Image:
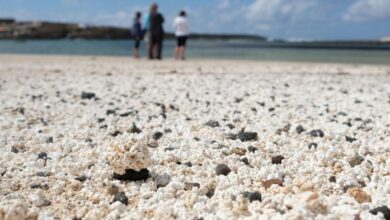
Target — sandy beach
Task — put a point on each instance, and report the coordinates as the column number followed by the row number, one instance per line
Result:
column 219, row 139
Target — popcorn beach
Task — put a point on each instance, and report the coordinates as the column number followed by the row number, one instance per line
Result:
column 110, row 138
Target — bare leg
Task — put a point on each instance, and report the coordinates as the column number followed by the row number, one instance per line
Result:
column 155, row 51
column 136, row 53
column 183, row 53
column 177, row 53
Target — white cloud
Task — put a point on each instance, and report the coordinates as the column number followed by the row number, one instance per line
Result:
column 224, row 4
column 363, row 10
column 271, row 10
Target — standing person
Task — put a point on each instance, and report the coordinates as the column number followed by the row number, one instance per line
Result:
column 182, row 32
column 137, row 34
column 156, row 33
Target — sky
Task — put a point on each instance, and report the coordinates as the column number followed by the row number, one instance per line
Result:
column 275, row 19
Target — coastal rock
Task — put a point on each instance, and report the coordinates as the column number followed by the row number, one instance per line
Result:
column 189, row 185
column 277, row 159
column 252, row 196
column 157, row 135
column 88, row 95
column 132, row 175
column 299, row 129
column 212, row 124
column 222, row 169
column 317, row 133
column 122, row 198
column 243, row 136
column 350, row 139
column 384, row 210
column 355, row 161
column 134, row 129
column 252, row 149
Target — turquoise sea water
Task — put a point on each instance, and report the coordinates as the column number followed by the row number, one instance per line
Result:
column 216, row 49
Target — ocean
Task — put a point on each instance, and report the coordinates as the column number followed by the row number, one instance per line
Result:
column 204, row 49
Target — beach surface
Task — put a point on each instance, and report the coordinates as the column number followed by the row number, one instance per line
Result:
column 218, row 139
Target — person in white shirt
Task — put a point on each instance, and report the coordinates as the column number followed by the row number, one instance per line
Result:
column 182, row 32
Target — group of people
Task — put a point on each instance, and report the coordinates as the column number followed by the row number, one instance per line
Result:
column 153, row 32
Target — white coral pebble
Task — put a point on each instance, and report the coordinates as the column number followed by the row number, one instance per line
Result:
column 129, row 153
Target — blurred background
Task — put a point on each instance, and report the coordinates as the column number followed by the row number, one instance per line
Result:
column 348, row 31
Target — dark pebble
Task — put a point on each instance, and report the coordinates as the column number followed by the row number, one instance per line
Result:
column 42, row 156
column 245, row 161
column 299, row 129
column 342, row 114
column 348, row 123
column 100, row 120
column 132, row 175
column 189, row 186
column 110, row 112
column 350, row 139
column 188, row 164
column 125, row 114
column 252, row 196
column 355, row 161
column 14, row 150
column 212, row 124
column 157, row 135
column 312, row 145
column 116, row 133
column 88, row 95
column 167, row 131
column 231, row 126
column 243, row 136
column 210, row 193
column 222, row 169
column 247, row 136
column 122, row 198
column 277, row 159
column 317, row 133
column 49, row 140
column 252, row 149
column 384, row 209
column 20, row 110
column 271, row 109
column 81, row 178
column 39, row 186
column 332, row 179
column 42, row 174
column 135, row 129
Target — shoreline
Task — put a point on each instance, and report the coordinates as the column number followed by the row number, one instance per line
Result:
column 194, row 61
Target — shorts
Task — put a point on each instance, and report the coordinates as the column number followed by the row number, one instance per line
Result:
column 137, row 43
column 182, row 41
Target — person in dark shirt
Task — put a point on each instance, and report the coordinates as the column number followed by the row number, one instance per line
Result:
column 137, row 34
column 156, row 33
